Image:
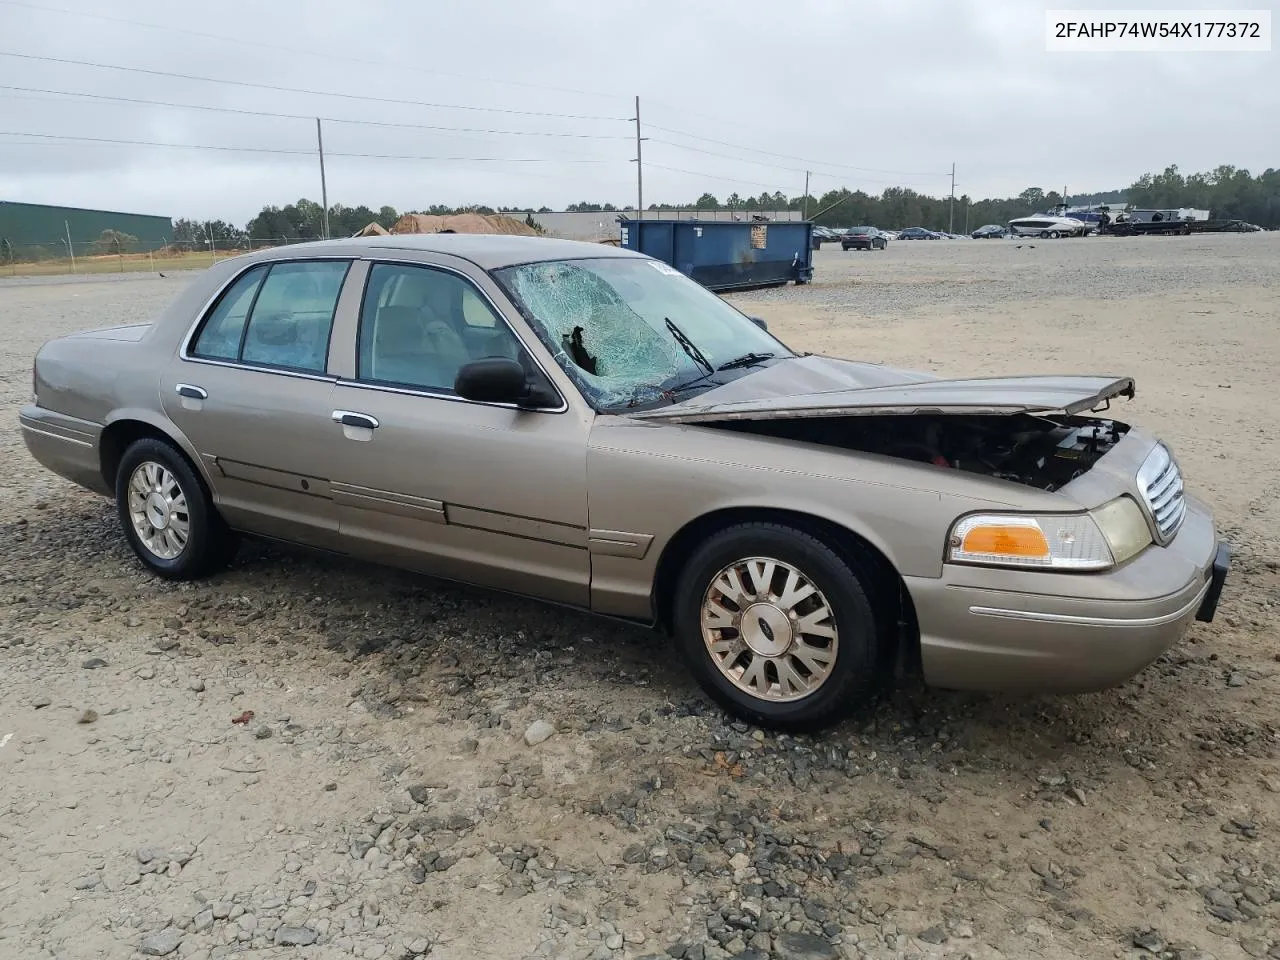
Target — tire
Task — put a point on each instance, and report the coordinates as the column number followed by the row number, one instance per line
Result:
column 188, row 539
column 856, row 647
column 1053, row 234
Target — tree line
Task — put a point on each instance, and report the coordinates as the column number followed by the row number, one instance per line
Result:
column 1226, row 191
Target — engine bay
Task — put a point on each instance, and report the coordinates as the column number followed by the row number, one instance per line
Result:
column 1043, row 452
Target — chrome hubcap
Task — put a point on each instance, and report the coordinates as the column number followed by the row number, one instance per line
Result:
column 158, row 510
column 769, row 629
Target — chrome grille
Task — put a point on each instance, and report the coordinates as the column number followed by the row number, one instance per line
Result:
column 1160, row 482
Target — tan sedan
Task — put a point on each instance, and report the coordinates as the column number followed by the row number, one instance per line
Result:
column 587, row 426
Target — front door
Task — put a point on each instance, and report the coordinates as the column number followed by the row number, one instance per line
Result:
column 483, row 493
column 252, row 394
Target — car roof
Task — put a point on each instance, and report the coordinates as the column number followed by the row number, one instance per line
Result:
column 489, row 251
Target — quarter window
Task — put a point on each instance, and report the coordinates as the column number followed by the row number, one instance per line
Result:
column 277, row 315
column 420, row 326
column 223, row 331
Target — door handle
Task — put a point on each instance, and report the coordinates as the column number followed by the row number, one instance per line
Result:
column 349, row 418
column 192, row 392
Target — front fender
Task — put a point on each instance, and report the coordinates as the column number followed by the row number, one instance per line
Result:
column 647, row 481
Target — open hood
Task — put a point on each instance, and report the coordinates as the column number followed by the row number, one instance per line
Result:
column 881, row 391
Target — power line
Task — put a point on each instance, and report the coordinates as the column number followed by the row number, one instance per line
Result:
column 277, row 48
column 313, row 93
column 309, row 117
column 710, row 176
column 726, row 156
column 773, row 166
column 282, row 150
column 787, row 156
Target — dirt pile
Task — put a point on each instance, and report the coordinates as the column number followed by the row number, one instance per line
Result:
column 463, row 223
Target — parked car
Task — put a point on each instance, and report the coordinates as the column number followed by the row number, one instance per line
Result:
column 992, row 231
column 823, row 234
column 918, row 233
column 585, row 425
column 863, row 238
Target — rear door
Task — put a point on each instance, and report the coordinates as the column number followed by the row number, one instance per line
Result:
column 480, row 492
column 251, row 391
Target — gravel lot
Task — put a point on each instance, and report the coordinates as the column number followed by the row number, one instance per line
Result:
column 381, row 797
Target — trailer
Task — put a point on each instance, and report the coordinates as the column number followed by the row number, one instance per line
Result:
column 1182, row 228
column 727, row 255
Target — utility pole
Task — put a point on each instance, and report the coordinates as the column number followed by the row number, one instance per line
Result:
column 639, row 167
column 70, row 249
column 208, row 233
column 804, row 208
column 324, row 190
column 951, row 226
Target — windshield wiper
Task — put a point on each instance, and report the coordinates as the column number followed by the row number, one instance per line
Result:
column 746, row 360
column 688, row 346
column 703, row 380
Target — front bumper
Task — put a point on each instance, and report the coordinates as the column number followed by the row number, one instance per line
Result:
column 1033, row 631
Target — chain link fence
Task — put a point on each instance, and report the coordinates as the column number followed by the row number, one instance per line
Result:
column 122, row 254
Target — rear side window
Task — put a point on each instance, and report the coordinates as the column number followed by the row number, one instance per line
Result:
column 277, row 316
column 291, row 319
column 223, row 331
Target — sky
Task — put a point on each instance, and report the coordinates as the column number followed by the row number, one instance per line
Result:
column 507, row 102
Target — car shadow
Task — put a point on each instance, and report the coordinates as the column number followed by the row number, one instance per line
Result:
column 365, row 612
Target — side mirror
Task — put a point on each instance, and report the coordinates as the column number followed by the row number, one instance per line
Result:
column 759, row 322
column 499, row 380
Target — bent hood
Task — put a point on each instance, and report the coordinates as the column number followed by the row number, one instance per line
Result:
column 825, row 387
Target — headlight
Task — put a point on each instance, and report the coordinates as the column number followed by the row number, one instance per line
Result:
column 1125, row 528
column 1066, row 542
column 1112, row 534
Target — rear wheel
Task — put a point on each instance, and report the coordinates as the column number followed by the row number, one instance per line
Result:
column 167, row 515
column 778, row 627
column 1053, row 234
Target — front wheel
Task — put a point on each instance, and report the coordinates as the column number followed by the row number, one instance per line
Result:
column 167, row 514
column 778, row 627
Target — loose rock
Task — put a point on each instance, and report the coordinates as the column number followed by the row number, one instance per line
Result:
column 161, row 944
column 792, row 945
column 295, row 936
column 537, row 732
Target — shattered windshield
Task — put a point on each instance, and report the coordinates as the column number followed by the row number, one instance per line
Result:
column 633, row 332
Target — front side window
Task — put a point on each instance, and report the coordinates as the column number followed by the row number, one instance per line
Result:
column 419, row 326
column 276, row 315
column 636, row 332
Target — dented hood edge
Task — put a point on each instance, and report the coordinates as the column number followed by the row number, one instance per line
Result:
column 1050, row 394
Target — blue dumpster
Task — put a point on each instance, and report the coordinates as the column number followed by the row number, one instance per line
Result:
column 727, row 254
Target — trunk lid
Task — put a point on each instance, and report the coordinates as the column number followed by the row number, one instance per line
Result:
column 824, row 387
column 130, row 333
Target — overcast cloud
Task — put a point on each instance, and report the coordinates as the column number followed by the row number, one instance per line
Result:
column 870, row 94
